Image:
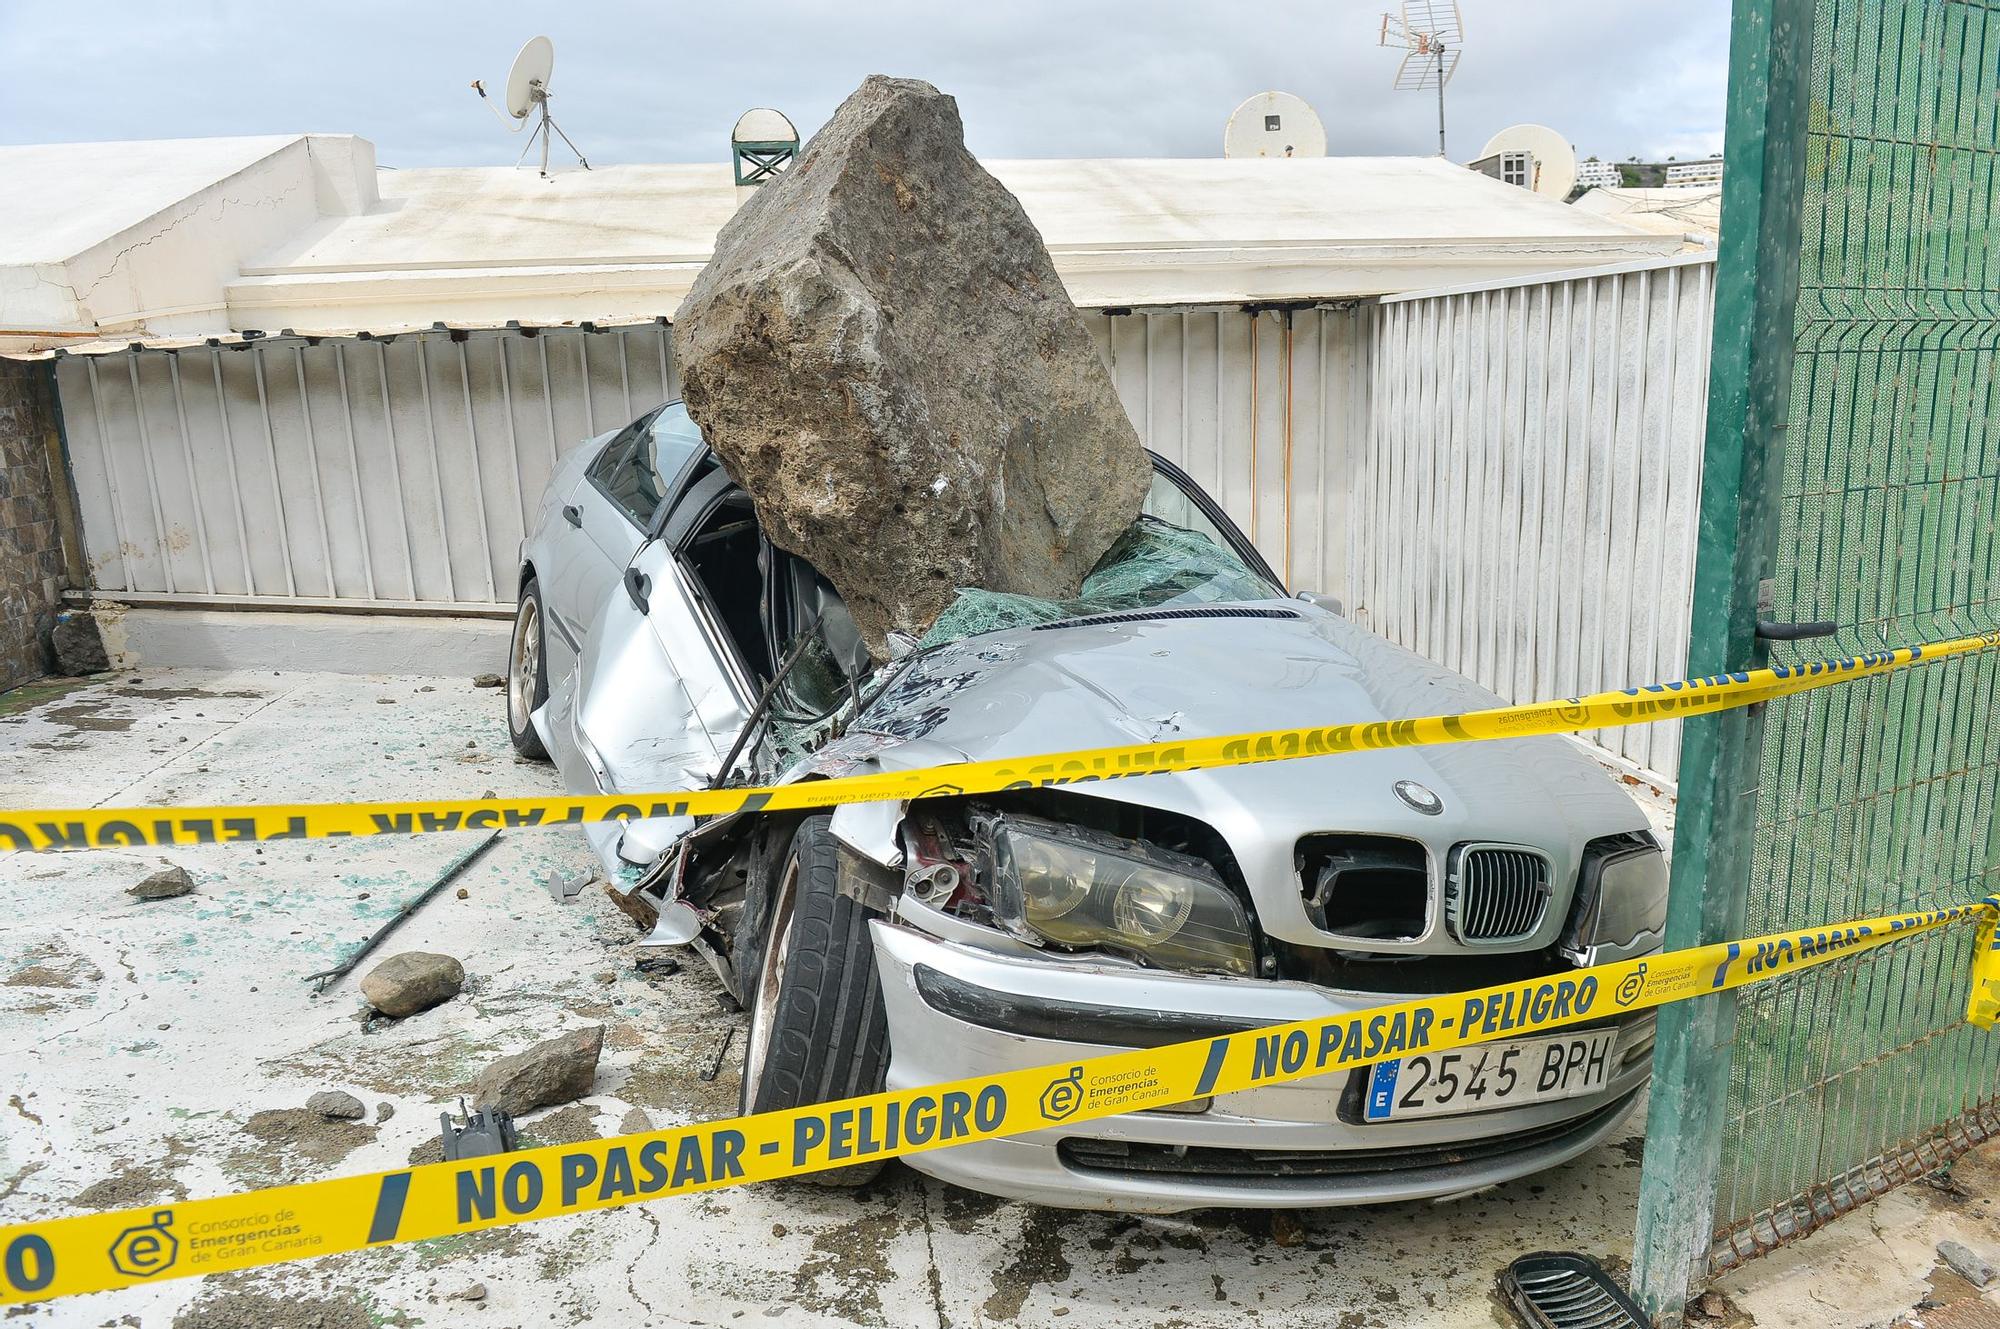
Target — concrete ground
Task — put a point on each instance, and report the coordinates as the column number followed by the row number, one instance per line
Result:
column 166, row 1049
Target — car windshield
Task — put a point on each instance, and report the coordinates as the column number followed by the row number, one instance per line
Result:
column 1172, row 556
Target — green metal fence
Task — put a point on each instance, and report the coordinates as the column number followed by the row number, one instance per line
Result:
column 1854, row 476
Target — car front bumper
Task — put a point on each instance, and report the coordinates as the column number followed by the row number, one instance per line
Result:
column 957, row 1010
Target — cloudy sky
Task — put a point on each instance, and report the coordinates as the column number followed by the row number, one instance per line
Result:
column 1034, row 78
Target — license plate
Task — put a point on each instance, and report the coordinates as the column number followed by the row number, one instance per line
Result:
column 1490, row 1075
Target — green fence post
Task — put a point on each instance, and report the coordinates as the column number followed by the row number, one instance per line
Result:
column 1750, row 382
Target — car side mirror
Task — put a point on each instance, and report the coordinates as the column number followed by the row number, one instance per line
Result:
column 1322, row 601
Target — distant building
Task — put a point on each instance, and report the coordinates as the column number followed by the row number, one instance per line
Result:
column 1695, row 175
column 1595, row 174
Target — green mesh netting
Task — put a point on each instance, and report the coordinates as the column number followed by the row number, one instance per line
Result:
column 1153, row 565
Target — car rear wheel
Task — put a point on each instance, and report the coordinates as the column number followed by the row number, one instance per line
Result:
column 817, row 1028
column 527, row 674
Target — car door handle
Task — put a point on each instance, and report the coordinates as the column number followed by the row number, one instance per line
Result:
column 639, row 586
column 573, row 514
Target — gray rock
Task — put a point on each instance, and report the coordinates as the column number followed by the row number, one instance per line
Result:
column 1967, row 1263
column 557, row 1070
column 413, row 981
column 165, row 884
column 488, row 681
column 337, row 1104
column 384, row 1111
column 635, row 1122
column 884, row 357
column 77, row 644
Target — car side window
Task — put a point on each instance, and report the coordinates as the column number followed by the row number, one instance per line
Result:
column 676, row 442
column 638, row 469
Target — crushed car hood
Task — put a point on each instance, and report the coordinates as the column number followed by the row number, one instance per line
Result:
column 1154, row 676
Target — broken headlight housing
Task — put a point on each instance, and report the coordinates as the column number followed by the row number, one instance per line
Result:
column 1053, row 884
column 1621, row 900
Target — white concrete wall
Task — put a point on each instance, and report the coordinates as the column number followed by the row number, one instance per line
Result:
column 1525, row 493
column 119, row 242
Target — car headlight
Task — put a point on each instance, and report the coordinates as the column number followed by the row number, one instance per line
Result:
column 1057, row 884
column 1621, row 900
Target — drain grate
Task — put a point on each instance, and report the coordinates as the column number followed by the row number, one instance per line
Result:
column 1564, row 1290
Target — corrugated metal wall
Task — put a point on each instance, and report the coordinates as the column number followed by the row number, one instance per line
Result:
column 402, row 471
column 1261, row 408
column 1527, row 482
column 1502, row 479
column 368, row 472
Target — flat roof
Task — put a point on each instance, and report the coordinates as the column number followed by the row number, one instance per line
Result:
column 392, row 250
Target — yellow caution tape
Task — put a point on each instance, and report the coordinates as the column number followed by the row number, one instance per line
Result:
column 65, row 1256
column 82, row 828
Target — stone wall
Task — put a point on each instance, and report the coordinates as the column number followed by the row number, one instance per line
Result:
column 34, row 568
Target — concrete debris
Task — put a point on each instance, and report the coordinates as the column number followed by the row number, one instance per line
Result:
column 477, row 1292
column 166, row 884
column 1711, row 1305
column 1967, row 1263
column 384, row 1111
column 412, row 981
column 488, row 681
column 337, row 1105
column 557, row 1070
column 882, row 354
column 77, row 643
column 635, row 1122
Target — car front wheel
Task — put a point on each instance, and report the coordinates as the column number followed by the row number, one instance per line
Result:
column 817, row 1028
column 527, row 674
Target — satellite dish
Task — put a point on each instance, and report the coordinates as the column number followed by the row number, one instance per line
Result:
column 529, row 76
column 528, row 92
column 1549, row 167
column 1274, row 124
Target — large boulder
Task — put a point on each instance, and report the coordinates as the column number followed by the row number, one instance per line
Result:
column 883, row 356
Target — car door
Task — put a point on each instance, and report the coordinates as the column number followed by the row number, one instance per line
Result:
column 589, row 545
column 651, row 706
column 606, row 516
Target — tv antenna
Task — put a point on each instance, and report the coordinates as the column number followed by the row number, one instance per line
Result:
column 528, row 93
column 1429, row 33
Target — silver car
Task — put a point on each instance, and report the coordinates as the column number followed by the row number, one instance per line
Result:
column 663, row 642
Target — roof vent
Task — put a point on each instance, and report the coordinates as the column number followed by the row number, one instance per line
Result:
column 762, row 146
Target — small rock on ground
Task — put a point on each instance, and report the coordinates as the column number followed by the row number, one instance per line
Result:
column 165, row 884
column 635, row 1122
column 557, row 1070
column 1967, row 1263
column 477, row 1292
column 337, row 1104
column 413, row 981
column 487, row 681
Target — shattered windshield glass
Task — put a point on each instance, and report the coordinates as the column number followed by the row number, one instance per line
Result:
column 1154, row 565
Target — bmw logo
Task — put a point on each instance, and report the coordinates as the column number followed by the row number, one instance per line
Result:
column 1418, row 798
